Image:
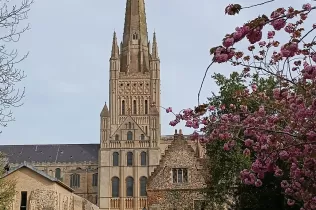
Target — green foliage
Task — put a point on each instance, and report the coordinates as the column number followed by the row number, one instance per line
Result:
column 225, row 166
column 7, row 187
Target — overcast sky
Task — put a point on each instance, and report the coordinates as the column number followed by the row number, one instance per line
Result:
column 67, row 69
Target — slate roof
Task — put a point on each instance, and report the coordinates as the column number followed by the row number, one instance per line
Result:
column 17, row 154
column 26, row 165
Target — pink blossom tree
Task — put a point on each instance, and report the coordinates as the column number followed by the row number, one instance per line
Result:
column 281, row 133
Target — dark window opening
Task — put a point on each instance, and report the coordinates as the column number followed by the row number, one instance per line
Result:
column 74, row 180
column 115, row 159
column 129, row 135
column 143, row 158
column 58, row 173
column 23, row 205
column 129, row 125
column 117, row 137
column 129, row 159
column 95, row 180
column 135, row 37
column 123, row 107
column 129, row 186
column 146, row 107
column 134, row 107
column 143, row 183
column 142, row 137
column 115, row 187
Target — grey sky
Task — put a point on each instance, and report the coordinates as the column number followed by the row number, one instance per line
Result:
column 67, row 69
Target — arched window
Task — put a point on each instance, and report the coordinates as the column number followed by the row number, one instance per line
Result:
column 146, row 107
column 115, row 187
column 143, row 183
column 143, row 158
column 57, row 173
column 134, row 107
column 129, row 186
column 129, row 125
column 135, row 36
column 95, row 179
column 117, row 137
column 123, row 107
column 129, row 135
column 115, row 159
column 142, row 137
column 74, row 180
column 129, row 159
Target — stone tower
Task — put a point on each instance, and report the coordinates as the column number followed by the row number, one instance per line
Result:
column 130, row 127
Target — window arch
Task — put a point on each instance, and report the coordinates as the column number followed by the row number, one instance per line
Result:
column 134, row 107
column 129, row 186
column 57, row 173
column 143, row 158
column 146, row 107
column 116, row 158
column 142, row 186
column 74, row 180
column 142, row 137
column 129, row 159
column 115, row 187
column 123, row 107
column 129, row 135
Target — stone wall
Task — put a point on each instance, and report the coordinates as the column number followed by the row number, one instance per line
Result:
column 162, row 193
column 50, row 200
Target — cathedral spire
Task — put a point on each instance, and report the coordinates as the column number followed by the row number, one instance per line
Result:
column 135, row 26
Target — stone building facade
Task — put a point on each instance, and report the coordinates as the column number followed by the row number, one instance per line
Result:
column 35, row 190
column 178, row 181
column 113, row 174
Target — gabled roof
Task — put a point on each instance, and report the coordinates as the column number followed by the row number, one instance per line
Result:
column 39, row 172
column 52, row 153
column 178, row 139
column 127, row 119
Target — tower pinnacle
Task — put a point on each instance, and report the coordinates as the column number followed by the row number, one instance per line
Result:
column 115, row 48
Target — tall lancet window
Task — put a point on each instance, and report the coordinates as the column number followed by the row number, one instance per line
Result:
column 146, row 107
column 134, row 107
column 123, row 107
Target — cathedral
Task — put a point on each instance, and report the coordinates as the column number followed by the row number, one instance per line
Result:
column 114, row 173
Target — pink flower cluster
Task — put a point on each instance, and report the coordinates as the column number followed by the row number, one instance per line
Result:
column 283, row 128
